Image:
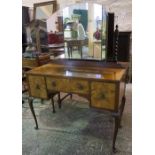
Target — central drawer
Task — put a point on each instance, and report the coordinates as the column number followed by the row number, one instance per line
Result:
column 57, row 84
column 67, row 85
column 79, row 86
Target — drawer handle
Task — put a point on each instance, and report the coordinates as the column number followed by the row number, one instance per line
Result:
column 80, row 86
column 102, row 95
column 37, row 86
column 53, row 83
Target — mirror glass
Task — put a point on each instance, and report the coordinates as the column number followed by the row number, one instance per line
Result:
column 85, row 31
column 80, row 29
column 42, row 11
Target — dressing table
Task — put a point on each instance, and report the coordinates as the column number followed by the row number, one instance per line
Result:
column 103, row 83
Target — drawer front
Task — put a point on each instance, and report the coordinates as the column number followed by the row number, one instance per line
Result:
column 67, row 85
column 79, row 86
column 57, row 84
column 103, row 95
column 37, row 86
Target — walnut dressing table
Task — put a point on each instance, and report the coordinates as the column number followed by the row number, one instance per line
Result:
column 102, row 83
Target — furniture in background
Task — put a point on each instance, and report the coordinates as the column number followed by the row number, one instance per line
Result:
column 31, row 63
column 59, row 23
column 79, row 43
column 124, row 46
column 56, row 49
column 42, row 11
column 96, row 45
column 103, row 84
column 25, row 20
column 110, row 37
column 125, row 51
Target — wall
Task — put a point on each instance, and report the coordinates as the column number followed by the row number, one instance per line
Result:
column 122, row 9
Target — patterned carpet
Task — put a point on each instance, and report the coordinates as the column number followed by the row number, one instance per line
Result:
column 75, row 129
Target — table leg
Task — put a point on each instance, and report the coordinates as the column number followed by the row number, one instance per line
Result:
column 59, row 100
column 117, row 122
column 118, row 117
column 52, row 101
column 33, row 112
column 122, row 109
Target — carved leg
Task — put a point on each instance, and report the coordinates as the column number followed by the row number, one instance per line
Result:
column 117, row 121
column 122, row 109
column 52, row 101
column 71, row 96
column 33, row 112
column 59, row 100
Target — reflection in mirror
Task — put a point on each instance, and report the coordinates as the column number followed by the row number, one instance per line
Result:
column 44, row 12
column 38, row 28
column 85, row 31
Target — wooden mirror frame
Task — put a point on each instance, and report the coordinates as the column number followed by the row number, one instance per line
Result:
column 43, row 4
column 38, row 46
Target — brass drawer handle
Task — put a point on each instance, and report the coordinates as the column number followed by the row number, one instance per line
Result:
column 53, row 83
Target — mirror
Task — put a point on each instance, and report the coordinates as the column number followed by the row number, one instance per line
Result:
column 78, row 31
column 42, row 11
column 85, row 28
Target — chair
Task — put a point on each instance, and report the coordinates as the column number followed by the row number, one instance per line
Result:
column 28, row 64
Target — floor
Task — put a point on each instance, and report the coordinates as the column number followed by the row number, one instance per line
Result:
column 75, row 129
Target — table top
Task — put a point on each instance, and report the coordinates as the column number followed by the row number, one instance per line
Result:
column 112, row 74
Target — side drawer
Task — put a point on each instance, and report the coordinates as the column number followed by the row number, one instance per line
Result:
column 79, row 86
column 57, row 84
column 103, row 95
column 37, row 86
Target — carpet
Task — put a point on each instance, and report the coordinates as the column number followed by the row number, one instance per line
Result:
column 75, row 129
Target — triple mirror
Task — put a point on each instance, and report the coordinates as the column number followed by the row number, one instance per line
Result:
column 85, row 31
column 83, row 27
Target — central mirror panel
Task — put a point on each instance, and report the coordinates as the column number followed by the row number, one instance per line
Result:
column 85, row 31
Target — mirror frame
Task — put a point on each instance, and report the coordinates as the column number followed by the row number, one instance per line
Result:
column 35, row 5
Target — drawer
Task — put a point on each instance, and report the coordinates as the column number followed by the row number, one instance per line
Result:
column 79, row 86
column 37, row 86
column 103, row 95
column 57, row 84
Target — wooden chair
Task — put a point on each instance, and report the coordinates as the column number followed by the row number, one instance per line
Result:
column 28, row 64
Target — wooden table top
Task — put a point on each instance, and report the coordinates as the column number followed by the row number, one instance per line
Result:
column 112, row 74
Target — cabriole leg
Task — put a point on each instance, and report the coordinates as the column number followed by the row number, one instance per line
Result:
column 59, row 100
column 71, row 95
column 122, row 109
column 117, row 121
column 52, row 101
column 33, row 112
